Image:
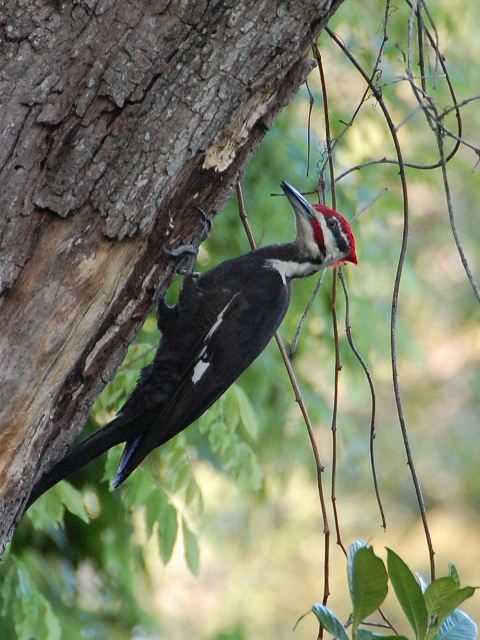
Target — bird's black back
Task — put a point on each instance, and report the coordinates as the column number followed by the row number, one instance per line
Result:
column 168, row 398
column 223, row 320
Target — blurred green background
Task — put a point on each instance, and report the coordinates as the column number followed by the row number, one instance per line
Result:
column 219, row 535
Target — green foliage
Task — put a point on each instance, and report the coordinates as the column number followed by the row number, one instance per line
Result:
column 229, row 425
column 192, row 552
column 329, row 622
column 441, row 597
column 163, row 515
column 31, row 613
column 49, row 511
column 458, row 626
column 367, row 582
column 409, row 594
column 433, row 615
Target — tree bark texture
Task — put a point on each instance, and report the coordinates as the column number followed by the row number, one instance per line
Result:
column 117, row 119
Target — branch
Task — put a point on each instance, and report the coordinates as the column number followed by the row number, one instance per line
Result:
column 299, row 399
column 395, row 297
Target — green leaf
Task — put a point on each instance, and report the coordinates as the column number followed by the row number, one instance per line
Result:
column 458, row 626
column 32, row 614
column 365, row 634
column 229, row 410
column 156, row 506
column 167, row 531
column 442, row 597
column 437, row 592
column 247, row 414
column 73, row 500
column 141, row 486
column 192, row 552
column 205, row 421
column 409, row 594
column 329, row 622
column 159, row 511
column 218, row 435
column 453, row 573
column 456, row 599
column 6, row 592
column 111, row 464
column 352, row 550
column 368, row 584
column 191, row 491
column 182, row 476
column 47, row 512
column 245, row 467
column 52, row 624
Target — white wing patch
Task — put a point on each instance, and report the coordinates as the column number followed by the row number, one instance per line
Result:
column 203, row 363
column 199, row 370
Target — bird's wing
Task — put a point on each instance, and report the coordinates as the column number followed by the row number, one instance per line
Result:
column 240, row 331
column 156, row 384
column 183, row 328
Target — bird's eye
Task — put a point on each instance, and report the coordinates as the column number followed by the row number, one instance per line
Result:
column 332, row 223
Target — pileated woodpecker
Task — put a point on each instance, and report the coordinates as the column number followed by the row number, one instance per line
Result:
column 223, row 320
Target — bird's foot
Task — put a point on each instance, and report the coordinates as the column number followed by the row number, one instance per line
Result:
column 207, row 224
column 190, row 250
column 181, row 251
column 186, row 271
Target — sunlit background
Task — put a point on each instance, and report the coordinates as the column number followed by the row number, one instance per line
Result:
column 236, row 497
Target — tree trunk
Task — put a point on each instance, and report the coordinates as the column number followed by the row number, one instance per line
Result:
column 117, row 119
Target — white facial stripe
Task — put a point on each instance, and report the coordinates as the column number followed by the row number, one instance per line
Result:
column 288, row 269
column 331, row 246
column 328, row 237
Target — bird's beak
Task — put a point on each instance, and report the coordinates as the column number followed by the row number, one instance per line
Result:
column 300, row 205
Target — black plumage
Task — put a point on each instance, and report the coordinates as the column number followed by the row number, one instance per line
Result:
column 222, row 321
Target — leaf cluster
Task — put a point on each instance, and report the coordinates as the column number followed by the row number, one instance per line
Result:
column 431, row 611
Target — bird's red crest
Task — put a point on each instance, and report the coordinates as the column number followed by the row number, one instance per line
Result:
column 347, row 230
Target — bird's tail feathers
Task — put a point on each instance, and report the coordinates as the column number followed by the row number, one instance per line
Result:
column 99, row 442
column 137, row 449
column 124, row 468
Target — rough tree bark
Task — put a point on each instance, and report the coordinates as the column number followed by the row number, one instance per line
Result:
column 117, row 118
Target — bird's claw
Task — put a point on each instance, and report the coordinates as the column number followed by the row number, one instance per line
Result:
column 181, row 250
column 207, row 223
column 188, row 272
column 189, row 249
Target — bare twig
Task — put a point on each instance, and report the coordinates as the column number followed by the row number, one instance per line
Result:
column 433, row 40
column 458, row 105
column 348, row 329
column 429, row 108
column 338, row 368
column 338, row 364
column 310, row 108
column 243, row 216
column 306, row 313
column 299, row 399
column 347, row 125
column 366, row 207
column 395, row 297
column 328, row 136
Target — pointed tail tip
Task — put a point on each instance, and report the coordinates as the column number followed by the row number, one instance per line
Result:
column 116, row 481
